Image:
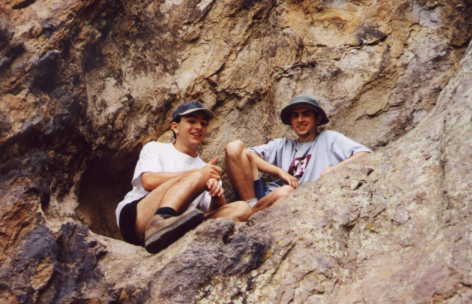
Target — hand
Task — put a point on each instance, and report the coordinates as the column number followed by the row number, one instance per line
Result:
column 214, row 188
column 292, row 181
column 211, row 170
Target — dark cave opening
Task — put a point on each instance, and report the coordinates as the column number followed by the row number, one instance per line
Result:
column 102, row 186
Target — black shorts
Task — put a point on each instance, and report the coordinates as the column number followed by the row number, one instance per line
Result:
column 128, row 223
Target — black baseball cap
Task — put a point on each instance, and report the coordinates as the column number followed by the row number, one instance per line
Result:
column 190, row 107
column 309, row 101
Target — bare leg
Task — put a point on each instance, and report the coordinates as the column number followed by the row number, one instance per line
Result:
column 148, row 206
column 241, row 169
column 272, row 197
column 176, row 193
column 241, row 211
column 238, row 211
column 182, row 193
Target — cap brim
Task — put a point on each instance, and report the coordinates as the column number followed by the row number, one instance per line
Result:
column 321, row 116
column 207, row 112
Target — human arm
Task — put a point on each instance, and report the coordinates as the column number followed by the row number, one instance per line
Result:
column 267, row 167
column 152, row 180
column 336, row 150
column 344, row 162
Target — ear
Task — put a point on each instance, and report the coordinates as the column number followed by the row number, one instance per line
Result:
column 174, row 126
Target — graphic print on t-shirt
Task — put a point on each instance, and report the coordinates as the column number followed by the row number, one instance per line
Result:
column 298, row 165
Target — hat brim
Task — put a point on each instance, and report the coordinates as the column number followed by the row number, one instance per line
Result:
column 209, row 114
column 321, row 116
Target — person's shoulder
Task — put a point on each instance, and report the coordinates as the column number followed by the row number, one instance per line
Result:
column 270, row 142
column 155, row 145
column 151, row 144
column 281, row 142
column 330, row 135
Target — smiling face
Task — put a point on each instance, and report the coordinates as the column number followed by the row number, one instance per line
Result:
column 190, row 131
column 303, row 121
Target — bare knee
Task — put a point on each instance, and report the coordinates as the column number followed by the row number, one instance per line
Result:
column 234, row 148
column 242, row 211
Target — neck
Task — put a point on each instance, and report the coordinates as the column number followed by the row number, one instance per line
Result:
column 303, row 139
column 308, row 137
column 186, row 149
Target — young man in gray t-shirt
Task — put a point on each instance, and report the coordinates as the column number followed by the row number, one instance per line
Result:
column 294, row 162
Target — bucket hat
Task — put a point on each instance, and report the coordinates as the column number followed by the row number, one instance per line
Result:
column 309, row 101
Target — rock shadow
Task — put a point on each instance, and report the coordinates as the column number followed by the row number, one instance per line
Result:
column 102, row 186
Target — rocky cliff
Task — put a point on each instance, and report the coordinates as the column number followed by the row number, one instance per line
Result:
column 84, row 83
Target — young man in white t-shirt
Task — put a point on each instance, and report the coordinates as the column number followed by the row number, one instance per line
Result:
column 173, row 189
column 294, row 162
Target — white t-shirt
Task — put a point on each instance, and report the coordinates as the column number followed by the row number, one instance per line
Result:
column 162, row 157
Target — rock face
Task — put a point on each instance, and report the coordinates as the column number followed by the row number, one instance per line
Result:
column 86, row 83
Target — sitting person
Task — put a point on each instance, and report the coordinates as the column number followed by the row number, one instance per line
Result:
column 173, row 189
column 294, row 162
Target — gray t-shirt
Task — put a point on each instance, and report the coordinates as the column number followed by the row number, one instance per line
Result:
column 305, row 161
